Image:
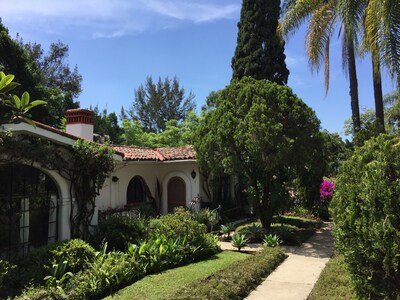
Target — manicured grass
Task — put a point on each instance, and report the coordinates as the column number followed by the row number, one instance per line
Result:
column 334, row 282
column 159, row 286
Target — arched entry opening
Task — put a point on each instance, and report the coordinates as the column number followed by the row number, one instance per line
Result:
column 176, row 193
column 28, row 209
column 136, row 192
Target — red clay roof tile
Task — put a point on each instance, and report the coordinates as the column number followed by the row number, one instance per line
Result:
column 158, row 154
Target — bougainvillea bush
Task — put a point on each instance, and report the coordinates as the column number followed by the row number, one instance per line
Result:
column 326, row 191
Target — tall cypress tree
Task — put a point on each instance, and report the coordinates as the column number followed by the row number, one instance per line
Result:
column 260, row 51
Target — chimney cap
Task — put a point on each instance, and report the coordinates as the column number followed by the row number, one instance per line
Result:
column 79, row 116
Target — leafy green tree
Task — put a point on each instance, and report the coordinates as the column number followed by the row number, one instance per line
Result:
column 175, row 134
column 336, row 152
column 260, row 51
column 370, row 126
column 263, row 131
column 44, row 76
column 157, row 103
column 106, row 124
column 62, row 84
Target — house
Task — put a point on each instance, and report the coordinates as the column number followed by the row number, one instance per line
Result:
column 36, row 201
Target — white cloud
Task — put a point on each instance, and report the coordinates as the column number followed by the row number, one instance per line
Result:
column 112, row 18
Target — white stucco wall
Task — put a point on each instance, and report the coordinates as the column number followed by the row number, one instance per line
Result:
column 113, row 194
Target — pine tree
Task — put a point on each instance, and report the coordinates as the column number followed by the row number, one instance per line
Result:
column 260, row 51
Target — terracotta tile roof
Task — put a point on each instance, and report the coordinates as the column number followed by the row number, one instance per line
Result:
column 159, row 154
column 176, row 153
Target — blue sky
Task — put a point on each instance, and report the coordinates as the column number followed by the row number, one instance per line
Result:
column 117, row 43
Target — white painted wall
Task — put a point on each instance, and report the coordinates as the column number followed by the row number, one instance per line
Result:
column 84, row 131
column 113, row 194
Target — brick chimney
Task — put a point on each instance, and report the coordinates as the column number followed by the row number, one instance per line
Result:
column 80, row 123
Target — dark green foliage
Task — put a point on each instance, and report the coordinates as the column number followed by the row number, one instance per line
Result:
column 207, row 217
column 44, row 76
column 254, row 233
column 106, row 124
column 38, row 264
column 336, row 152
column 75, row 251
column 234, row 282
column 263, row 131
column 260, row 51
column 366, row 213
column 157, row 254
column 119, row 232
column 8, row 278
column 180, row 224
column 157, row 103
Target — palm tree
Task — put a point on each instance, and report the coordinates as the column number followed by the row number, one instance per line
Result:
column 381, row 37
column 324, row 16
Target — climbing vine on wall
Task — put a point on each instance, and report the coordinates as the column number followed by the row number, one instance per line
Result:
column 85, row 165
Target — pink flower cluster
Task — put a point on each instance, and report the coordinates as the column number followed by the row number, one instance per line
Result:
column 326, row 190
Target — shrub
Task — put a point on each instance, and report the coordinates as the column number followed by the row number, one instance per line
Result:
column 39, row 262
column 8, row 277
column 107, row 272
column 234, row 282
column 287, row 236
column 77, row 252
column 367, row 221
column 207, row 217
column 254, row 232
column 160, row 253
column 180, row 224
column 118, row 232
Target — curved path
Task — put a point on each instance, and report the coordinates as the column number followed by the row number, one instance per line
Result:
column 296, row 276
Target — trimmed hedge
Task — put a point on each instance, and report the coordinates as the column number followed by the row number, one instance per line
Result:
column 237, row 281
column 366, row 207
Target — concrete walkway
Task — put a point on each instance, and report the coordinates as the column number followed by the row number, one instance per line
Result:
column 296, row 276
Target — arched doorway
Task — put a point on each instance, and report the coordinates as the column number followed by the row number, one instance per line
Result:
column 136, row 191
column 28, row 209
column 176, row 193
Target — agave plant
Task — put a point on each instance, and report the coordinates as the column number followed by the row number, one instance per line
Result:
column 271, row 240
column 254, row 232
column 227, row 229
column 239, row 241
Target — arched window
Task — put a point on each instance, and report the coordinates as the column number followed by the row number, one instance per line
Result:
column 176, row 193
column 136, row 191
column 28, row 209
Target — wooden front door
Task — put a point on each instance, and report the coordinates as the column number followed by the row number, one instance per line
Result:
column 176, row 193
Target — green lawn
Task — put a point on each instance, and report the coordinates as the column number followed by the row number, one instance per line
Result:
column 334, row 282
column 158, row 286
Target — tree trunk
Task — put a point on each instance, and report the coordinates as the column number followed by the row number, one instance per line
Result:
column 351, row 62
column 378, row 96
